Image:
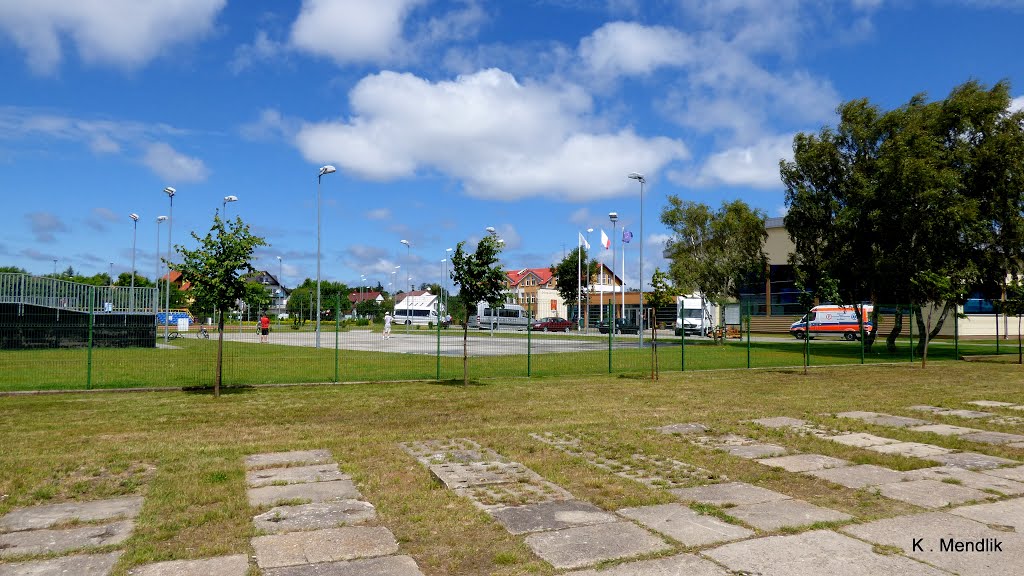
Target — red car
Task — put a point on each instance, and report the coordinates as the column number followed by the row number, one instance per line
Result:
column 553, row 324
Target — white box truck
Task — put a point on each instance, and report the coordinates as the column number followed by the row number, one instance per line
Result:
column 695, row 315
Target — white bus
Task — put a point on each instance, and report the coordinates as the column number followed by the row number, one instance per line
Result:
column 415, row 316
column 508, row 316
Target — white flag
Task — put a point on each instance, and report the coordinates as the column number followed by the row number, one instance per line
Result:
column 584, row 242
column 605, row 241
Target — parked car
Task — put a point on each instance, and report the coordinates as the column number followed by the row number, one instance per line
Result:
column 622, row 326
column 553, row 324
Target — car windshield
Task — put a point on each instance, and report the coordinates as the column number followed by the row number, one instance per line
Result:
column 691, row 313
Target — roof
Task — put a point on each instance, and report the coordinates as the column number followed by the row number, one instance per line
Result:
column 516, row 276
column 402, row 296
column 357, row 296
column 176, row 279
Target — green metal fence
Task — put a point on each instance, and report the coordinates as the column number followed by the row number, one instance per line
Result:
column 96, row 348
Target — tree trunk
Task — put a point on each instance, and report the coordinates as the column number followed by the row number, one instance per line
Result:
column 1020, row 350
column 220, row 354
column 932, row 333
column 926, row 334
column 465, row 350
column 897, row 327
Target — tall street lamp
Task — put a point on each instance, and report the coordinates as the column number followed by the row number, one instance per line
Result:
column 614, row 217
column 54, row 267
column 394, row 290
column 362, row 291
column 640, row 178
column 280, row 284
column 328, row 169
column 224, row 205
column 408, row 280
column 167, row 297
column 156, row 271
column 135, row 230
column 447, row 278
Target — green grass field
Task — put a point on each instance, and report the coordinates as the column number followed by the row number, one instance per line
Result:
column 183, row 451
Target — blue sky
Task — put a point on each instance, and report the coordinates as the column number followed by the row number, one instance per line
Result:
column 442, row 117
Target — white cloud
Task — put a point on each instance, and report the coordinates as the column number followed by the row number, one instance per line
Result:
column 262, row 48
column 755, row 166
column 379, row 214
column 1017, row 104
column 45, row 225
column 172, row 165
column 125, row 33
column 630, row 49
column 100, row 217
column 503, row 139
column 582, row 216
column 270, row 125
column 352, row 31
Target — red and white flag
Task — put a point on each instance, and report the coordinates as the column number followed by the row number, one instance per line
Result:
column 605, row 240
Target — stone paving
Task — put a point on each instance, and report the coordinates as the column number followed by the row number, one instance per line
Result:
column 58, row 529
column 564, row 531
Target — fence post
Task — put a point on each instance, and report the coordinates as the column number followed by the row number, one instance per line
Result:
column 88, row 364
column 682, row 348
column 997, row 331
column 529, row 330
column 437, row 307
column 956, row 331
column 910, row 322
column 807, row 340
column 337, row 331
column 860, row 320
column 748, row 332
column 611, row 332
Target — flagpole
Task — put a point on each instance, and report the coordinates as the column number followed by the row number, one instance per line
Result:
column 579, row 281
column 622, row 288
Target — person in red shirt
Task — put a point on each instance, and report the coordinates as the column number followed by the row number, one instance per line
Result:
column 264, row 329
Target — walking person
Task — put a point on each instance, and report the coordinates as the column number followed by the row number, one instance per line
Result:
column 387, row 325
column 264, row 329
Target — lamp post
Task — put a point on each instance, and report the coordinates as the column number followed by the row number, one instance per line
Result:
column 447, row 278
column 408, row 280
column 167, row 296
column 224, row 206
column 589, row 231
column 444, row 270
column 394, row 290
column 362, row 291
column 54, row 267
column 135, row 230
column 110, row 274
column 328, row 169
column 640, row 178
column 280, row 283
column 614, row 217
column 156, row 271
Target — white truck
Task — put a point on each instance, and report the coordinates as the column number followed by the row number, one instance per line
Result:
column 695, row 315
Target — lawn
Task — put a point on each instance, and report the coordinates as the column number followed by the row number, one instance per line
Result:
column 183, row 451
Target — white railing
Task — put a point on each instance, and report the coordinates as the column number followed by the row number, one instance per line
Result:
column 24, row 289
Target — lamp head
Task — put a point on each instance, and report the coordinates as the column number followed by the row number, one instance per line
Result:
column 589, row 230
column 613, row 216
column 328, row 169
column 406, row 242
column 447, row 249
column 134, row 216
column 170, row 191
column 230, row 199
column 160, row 219
column 637, row 176
column 278, row 257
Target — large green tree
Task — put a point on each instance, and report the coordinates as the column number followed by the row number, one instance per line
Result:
column 217, row 271
column 480, row 279
column 714, row 252
column 571, row 284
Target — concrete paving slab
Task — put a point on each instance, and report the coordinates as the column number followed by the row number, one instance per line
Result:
column 859, row 476
column 1008, row 473
column 35, row 517
column 990, row 403
column 813, row 554
column 971, row 460
column 294, row 475
column 77, row 565
column 588, row 545
column 384, row 566
column 780, row 422
column 944, row 429
column 330, row 545
column 428, row 452
column 463, row 475
column 883, row 419
column 969, row 414
column 53, row 541
column 927, row 408
column 754, row 451
column 683, row 564
column 237, row 565
column 728, row 493
column 314, row 516
column 910, row 449
column 857, row 414
column 967, row 478
column 785, row 513
column 804, row 462
column 686, row 526
column 530, row 491
column 997, row 515
column 314, row 492
column 1017, row 445
column 932, row 530
column 293, row 458
column 930, row 493
column 861, row 440
column 994, row 438
column 550, row 516
column 1018, row 407
column 683, row 429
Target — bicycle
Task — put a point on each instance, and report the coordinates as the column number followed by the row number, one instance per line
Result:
column 203, row 333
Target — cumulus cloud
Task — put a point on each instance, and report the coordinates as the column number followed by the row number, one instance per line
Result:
column 503, row 139
column 1017, row 104
column 269, row 126
column 261, row 49
column 45, row 226
column 100, row 217
column 755, row 166
column 124, row 33
column 379, row 214
column 352, row 31
column 173, row 166
column 630, row 49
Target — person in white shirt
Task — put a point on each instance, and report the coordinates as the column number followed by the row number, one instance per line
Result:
column 387, row 325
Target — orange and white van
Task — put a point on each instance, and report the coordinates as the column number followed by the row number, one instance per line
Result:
column 833, row 320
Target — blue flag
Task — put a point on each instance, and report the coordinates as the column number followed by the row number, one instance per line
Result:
column 626, row 236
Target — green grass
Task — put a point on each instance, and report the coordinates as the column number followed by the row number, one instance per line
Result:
column 184, row 451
